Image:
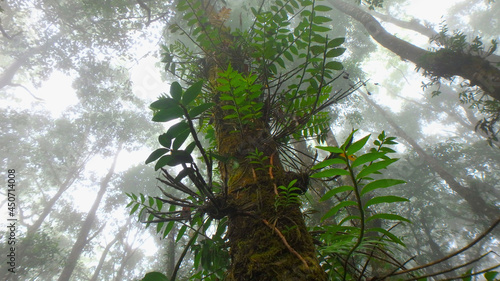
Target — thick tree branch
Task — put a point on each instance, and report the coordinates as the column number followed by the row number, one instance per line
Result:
column 442, row 63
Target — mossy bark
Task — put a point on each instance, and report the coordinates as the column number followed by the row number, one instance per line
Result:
column 266, row 242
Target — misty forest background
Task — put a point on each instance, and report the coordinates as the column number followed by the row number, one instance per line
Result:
column 101, row 61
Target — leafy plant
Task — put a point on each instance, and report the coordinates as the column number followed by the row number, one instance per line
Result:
column 352, row 216
column 287, row 195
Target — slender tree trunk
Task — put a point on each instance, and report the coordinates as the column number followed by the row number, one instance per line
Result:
column 95, row 276
column 82, row 240
column 129, row 252
column 72, row 176
column 477, row 204
column 442, row 63
column 171, row 252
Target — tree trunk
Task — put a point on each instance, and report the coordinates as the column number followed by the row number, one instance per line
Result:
column 82, row 240
column 266, row 242
column 443, row 63
column 171, row 252
column 72, row 176
column 103, row 256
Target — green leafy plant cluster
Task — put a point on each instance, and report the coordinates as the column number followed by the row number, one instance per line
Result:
column 352, row 216
column 240, row 96
column 179, row 105
column 259, row 159
column 287, row 195
column 211, row 255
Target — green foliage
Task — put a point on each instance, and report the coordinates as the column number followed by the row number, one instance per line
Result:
column 258, row 158
column 353, row 215
column 239, row 97
column 154, row 276
column 212, row 255
column 179, row 105
column 287, row 195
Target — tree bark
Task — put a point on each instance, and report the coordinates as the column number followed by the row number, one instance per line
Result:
column 443, row 63
column 266, row 242
column 82, row 239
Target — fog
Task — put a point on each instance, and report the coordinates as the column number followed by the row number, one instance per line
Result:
column 77, row 79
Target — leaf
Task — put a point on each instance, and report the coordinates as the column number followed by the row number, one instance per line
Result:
column 156, row 154
column 330, row 149
column 317, row 49
column 391, row 236
column 369, row 157
column 164, row 103
column 330, row 173
column 163, row 161
column 192, row 93
column 335, row 52
column 169, row 227
column 490, row 276
column 348, row 141
column 329, row 162
column 199, row 109
column 165, row 115
column 384, row 199
column 159, row 226
column 181, row 233
column 322, row 8
column 159, row 204
column 383, row 183
column 334, row 191
column 165, row 140
column 175, row 130
column 336, row 42
column 468, row 275
column 134, row 209
column 355, row 147
column 180, row 139
column 154, row 276
column 335, row 209
column 375, row 167
column 321, row 19
column 176, row 91
column 384, row 216
column 335, row 65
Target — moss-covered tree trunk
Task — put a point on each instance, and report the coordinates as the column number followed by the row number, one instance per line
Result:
column 266, row 242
